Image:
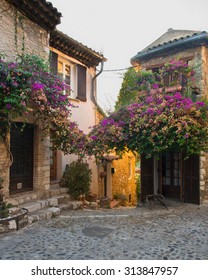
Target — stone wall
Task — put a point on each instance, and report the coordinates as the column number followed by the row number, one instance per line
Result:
column 194, row 56
column 205, row 71
column 204, row 157
column 203, row 177
column 20, row 35
column 5, row 162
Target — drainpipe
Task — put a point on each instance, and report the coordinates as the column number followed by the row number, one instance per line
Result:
column 93, row 98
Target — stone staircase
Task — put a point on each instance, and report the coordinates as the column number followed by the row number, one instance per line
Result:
column 29, row 209
column 49, row 208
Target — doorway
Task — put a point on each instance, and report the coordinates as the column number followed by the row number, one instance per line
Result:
column 178, row 177
column 21, row 170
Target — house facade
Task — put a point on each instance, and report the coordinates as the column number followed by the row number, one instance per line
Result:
column 171, row 174
column 76, row 64
column 28, row 167
column 24, row 157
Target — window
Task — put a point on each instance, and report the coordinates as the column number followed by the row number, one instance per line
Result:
column 171, row 169
column 64, row 71
column 75, row 75
column 171, row 78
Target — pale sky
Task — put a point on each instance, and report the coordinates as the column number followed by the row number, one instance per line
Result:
column 121, row 28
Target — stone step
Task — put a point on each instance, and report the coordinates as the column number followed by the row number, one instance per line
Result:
column 52, row 211
column 28, row 197
column 37, row 210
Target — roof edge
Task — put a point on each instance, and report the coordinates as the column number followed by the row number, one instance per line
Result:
column 188, row 42
column 41, row 12
column 75, row 49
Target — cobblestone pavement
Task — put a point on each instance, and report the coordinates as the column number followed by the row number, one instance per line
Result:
column 180, row 233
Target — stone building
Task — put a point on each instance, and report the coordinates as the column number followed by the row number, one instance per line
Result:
column 172, row 176
column 24, row 28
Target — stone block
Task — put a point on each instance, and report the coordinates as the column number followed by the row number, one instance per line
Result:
column 45, row 214
column 2, row 230
column 43, row 203
column 55, row 211
column 202, row 158
column 12, row 225
column 13, row 210
column 32, row 206
column 23, row 222
column 47, row 187
column 64, row 207
column 33, row 218
column 202, row 171
column 75, row 205
column 53, row 201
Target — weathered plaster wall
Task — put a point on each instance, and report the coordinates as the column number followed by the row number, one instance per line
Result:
column 123, row 180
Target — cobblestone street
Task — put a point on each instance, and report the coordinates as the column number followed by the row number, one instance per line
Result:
column 179, row 233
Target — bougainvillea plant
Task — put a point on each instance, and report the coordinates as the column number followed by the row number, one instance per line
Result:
column 177, row 68
column 158, row 123
column 27, row 88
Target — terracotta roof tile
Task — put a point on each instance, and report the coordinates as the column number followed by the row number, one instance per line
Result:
column 41, row 12
column 73, row 48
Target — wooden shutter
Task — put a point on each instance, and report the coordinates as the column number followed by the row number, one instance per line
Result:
column 147, row 177
column 54, row 62
column 191, row 180
column 81, row 80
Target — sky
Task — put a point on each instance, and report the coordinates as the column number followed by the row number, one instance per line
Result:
column 120, row 28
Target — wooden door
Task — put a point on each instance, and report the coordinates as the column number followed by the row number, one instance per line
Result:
column 191, row 178
column 147, row 177
column 171, row 175
column 21, row 170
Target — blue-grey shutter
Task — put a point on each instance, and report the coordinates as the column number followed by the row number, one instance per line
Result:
column 81, row 80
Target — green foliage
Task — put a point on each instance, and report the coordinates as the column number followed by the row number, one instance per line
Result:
column 37, row 63
column 133, row 81
column 77, row 178
column 4, row 209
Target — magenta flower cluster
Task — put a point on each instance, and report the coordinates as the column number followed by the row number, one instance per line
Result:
column 28, row 88
column 157, row 124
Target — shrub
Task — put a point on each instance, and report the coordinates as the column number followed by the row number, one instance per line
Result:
column 77, row 178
